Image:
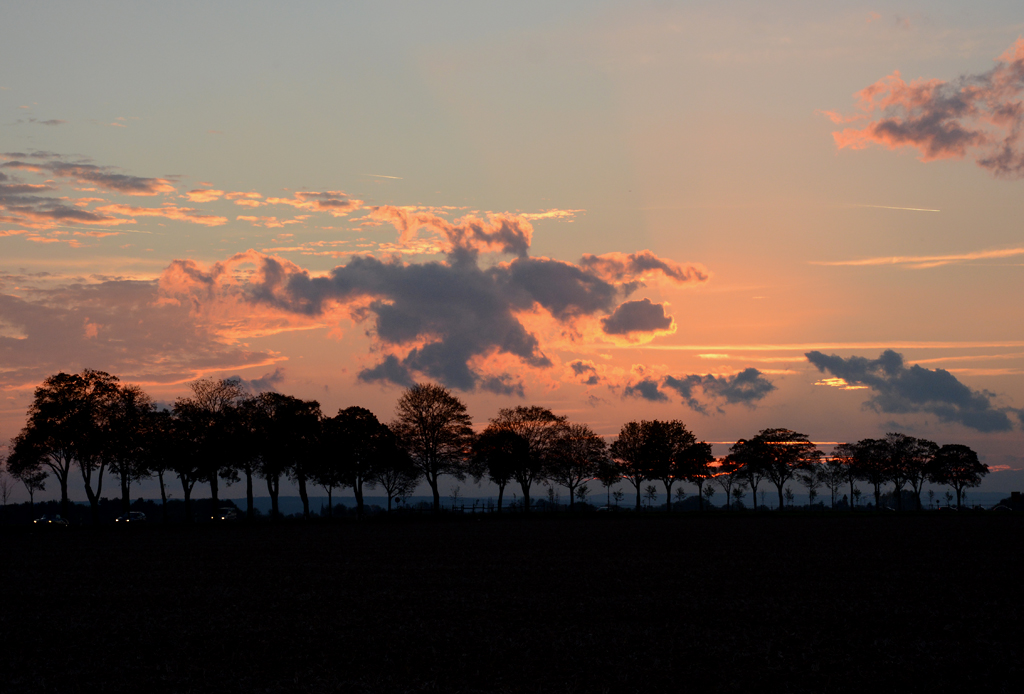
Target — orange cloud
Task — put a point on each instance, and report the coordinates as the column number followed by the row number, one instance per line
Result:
column 207, row 195
column 169, row 211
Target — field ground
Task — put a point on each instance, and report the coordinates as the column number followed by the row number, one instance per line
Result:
column 617, row 603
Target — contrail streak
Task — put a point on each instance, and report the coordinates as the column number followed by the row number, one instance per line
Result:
column 909, row 209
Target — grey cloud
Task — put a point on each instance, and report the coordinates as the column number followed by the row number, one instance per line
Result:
column 646, row 389
column 586, row 370
column 899, row 389
column 636, row 316
column 102, row 176
column 980, row 113
column 747, row 387
column 443, row 315
column 268, row 382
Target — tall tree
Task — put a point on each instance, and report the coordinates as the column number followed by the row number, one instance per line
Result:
column 185, row 433
column 127, row 438
column 870, row 462
column 780, row 454
column 539, row 427
column 354, row 440
column 912, row 456
column 727, row 476
column 695, row 467
column 433, row 427
column 834, row 473
column 393, row 469
column 211, row 403
column 163, row 450
column 666, row 451
column 958, row 466
column 66, row 423
column 608, row 474
column 575, row 457
column 496, row 455
column 628, row 451
column 744, row 455
column 290, row 429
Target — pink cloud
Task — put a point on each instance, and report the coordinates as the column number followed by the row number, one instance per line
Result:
column 981, row 115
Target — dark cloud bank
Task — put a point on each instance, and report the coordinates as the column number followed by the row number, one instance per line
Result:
column 899, row 389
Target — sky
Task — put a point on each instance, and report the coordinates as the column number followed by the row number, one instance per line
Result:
column 738, row 214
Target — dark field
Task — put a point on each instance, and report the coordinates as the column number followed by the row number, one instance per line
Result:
column 554, row 604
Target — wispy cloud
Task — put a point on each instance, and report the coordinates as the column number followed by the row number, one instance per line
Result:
column 927, row 261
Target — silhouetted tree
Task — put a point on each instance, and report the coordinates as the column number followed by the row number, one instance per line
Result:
column 695, row 464
column 242, row 453
column 744, row 454
column 186, row 434
column 780, row 454
column 6, row 484
column 834, row 473
column 393, row 469
column 66, row 423
column 162, row 450
column 958, row 466
column 210, row 404
column 668, row 453
column 608, row 474
column 627, row 450
column 576, row 454
column 353, row 440
column 127, row 438
column 912, row 456
column 290, row 436
column 811, row 478
column 496, row 455
column 870, row 462
column 727, row 477
column 845, row 454
column 433, row 427
column 538, row 426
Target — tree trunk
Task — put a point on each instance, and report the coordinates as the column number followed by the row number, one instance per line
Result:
column 187, row 491
column 878, row 497
column 432, row 481
column 330, row 503
column 668, row 496
column 273, row 487
column 304, row 496
column 753, row 493
column 126, row 500
column 248, row 495
column 637, row 485
column 781, row 504
column 501, row 493
column 958, row 503
column 572, row 496
column 526, row 496
column 163, row 494
column 357, row 490
column 214, row 492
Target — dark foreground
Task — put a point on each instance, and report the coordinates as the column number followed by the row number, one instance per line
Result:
column 618, row 604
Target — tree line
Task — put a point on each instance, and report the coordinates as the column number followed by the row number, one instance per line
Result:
column 221, row 433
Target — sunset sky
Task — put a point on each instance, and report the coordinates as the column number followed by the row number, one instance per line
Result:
column 738, row 214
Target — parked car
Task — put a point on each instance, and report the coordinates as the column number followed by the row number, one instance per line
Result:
column 50, row 521
column 225, row 514
column 132, row 517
